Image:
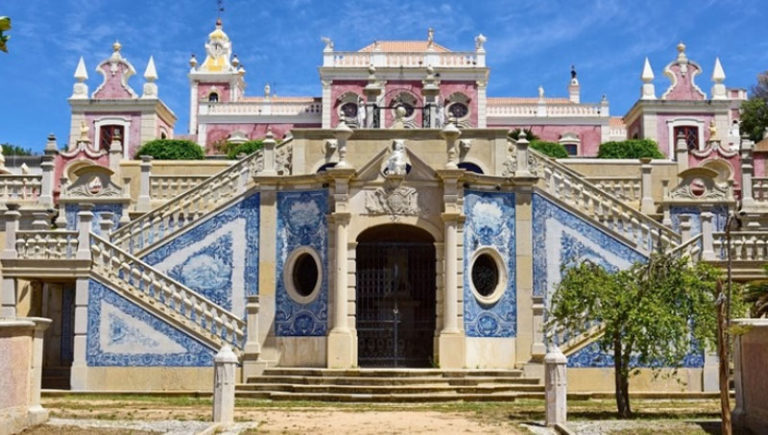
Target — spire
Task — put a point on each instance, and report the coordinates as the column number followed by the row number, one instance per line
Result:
column 718, row 77
column 80, row 89
column 150, row 74
column 81, row 74
column 648, row 91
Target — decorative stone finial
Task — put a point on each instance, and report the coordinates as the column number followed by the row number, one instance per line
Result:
column 267, row 90
column 150, row 74
column 235, row 61
column 648, row 91
column 50, row 145
column 681, row 57
column 718, row 75
column 647, row 75
column 573, row 71
column 328, row 43
column 541, row 92
column 80, row 89
column 116, row 46
column 480, row 42
column 192, row 60
column 81, row 74
column 430, row 37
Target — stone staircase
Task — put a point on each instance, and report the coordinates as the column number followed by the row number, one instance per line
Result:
column 390, row 385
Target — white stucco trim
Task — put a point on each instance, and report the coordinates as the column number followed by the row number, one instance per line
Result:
column 501, row 285
column 683, row 122
column 113, row 120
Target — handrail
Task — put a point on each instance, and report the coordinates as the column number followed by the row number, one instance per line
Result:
column 20, row 187
column 691, row 247
column 745, row 245
column 46, row 245
column 575, row 190
column 174, row 299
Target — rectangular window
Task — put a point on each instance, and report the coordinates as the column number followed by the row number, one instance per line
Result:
column 691, row 135
column 572, row 148
column 109, row 133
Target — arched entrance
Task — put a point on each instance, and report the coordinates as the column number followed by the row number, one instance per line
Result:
column 395, row 269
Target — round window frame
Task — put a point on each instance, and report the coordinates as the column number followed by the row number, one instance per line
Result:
column 343, row 116
column 501, row 285
column 288, row 269
column 448, row 110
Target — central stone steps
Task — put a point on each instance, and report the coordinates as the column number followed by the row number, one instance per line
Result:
column 390, row 385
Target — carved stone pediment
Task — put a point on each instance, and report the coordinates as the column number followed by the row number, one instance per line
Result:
column 393, row 200
column 699, row 184
column 93, row 182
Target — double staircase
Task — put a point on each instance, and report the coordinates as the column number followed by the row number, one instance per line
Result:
column 390, row 385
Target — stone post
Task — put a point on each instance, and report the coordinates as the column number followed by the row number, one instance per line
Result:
column 37, row 414
column 521, row 157
column 666, row 217
column 79, row 375
column 372, row 90
column 555, row 384
column 647, row 205
column 681, row 152
column 430, row 90
column 224, row 386
column 8, row 296
column 738, row 416
column 685, row 227
column 41, row 220
column 538, row 348
column 747, row 171
column 47, row 165
column 342, row 133
column 61, row 219
column 450, row 133
column 84, row 223
column 251, row 365
column 707, row 239
column 115, row 155
column 106, row 223
column 268, row 149
column 143, row 203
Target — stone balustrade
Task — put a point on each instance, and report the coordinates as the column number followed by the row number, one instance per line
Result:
column 626, row 188
column 454, row 59
column 20, row 187
column 641, row 230
column 690, row 248
column 760, row 189
column 262, row 108
column 745, row 246
column 142, row 282
column 527, row 110
column 166, row 187
column 46, row 245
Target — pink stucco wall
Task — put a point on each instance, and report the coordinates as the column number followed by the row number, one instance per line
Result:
column 395, row 88
column 667, row 144
column 218, row 132
column 759, row 162
column 684, row 88
column 162, row 125
column 636, row 128
column 204, row 89
column 338, row 89
column 112, row 88
column 134, row 130
column 468, row 88
column 589, row 135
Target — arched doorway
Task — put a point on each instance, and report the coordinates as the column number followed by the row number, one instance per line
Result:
column 395, row 269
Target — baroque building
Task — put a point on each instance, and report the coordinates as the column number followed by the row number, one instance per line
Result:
column 389, row 222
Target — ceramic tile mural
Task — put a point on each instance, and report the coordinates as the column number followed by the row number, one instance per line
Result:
column 120, row 333
column 490, row 221
column 218, row 258
column 71, row 210
column 301, row 221
column 718, row 221
column 592, row 356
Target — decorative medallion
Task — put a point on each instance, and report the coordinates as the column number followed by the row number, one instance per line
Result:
column 398, row 201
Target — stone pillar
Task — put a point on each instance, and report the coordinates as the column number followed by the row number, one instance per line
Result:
column 252, row 366
column 747, row 171
column 538, row 348
column 681, row 152
column 372, row 90
column 430, row 90
column 707, row 239
column 555, row 384
column 269, row 154
column 143, row 202
column 647, row 205
column 46, row 188
column 41, row 221
column 224, row 386
column 711, row 372
column 37, row 414
column 685, row 227
column 115, row 155
column 450, row 133
column 342, row 133
column 61, row 219
column 79, row 374
column 84, row 222
column 738, row 416
column 106, row 223
column 521, row 157
column 8, row 296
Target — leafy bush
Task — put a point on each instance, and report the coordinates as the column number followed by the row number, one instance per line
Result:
column 15, row 150
column 171, row 149
column 515, row 134
column 551, row 149
column 629, row 149
column 246, row 148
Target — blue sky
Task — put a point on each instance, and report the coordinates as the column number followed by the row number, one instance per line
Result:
column 530, row 43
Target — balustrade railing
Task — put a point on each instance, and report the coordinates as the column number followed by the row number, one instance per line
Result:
column 760, row 188
column 20, row 187
column 262, row 108
column 46, row 245
column 408, row 59
column 626, row 188
column 690, row 248
column 128, row 274
column 544, row 110
column 745, row 246
column 165, row 187
column 644, row 232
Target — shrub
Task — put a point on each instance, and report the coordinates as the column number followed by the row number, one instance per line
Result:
column 515, row 134
column 171, row 149
column 551, row 149
column 246, row 147
column 630, row 149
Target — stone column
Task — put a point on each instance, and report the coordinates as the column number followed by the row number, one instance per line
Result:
column 85, row 220
column 115, row 155
column 681, row 152
column 685, row 227
column 37, row 414
column 106, row 223
column 224, row 386
column 747, row 171
column 555, row 384
column 8, row 296
column 46, row 188
column 251, row 364
column 450, row 133
column 538, row 348
column 739, row 411
column 79, row 374
column 707, row 239
column 372, row 90
column 711, row 371
column 143, row 202
column 521, row 157
column 430, row 90
column 269, row 154
column 647, row 205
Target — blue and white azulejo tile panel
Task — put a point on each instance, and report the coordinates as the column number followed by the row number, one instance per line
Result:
column 560, row 238
column 490, row 222
column 301, row 222
column 71, row 210
column 120, row 333
column 218, row 258
column 592, row 356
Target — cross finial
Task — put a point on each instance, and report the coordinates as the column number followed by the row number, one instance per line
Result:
column 219, row 10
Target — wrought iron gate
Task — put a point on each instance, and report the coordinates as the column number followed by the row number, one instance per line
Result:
column 395, row 304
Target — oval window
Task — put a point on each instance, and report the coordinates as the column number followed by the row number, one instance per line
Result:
column 349, row 110
column 485, row 275
column 305, row 274
column 458, row 110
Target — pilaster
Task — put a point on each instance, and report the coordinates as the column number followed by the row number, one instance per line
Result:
column 79, row 373
column 267, row 270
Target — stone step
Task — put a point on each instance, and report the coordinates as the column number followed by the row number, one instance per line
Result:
column 391, row 398
column 364, row 380
column 389, row 389
column 387, row 372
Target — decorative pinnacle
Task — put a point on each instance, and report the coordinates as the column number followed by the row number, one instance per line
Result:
column 647, row 75
column 116, row 46
column 150, row 74
column 81, row 74
column 192, row 60
column 681, row 47
column 718, row 75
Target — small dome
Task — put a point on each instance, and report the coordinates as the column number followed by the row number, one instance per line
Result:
column 218, row 33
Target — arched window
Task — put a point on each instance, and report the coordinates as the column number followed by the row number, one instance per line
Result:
column 213, row 97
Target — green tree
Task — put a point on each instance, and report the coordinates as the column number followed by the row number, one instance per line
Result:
column 233, row 150
column 5, row 25
column 653, row 313
column 551, row 149
column 629, row 149
column 756, row 294
column 754, row 117
column 171, row 149
column 15, row 150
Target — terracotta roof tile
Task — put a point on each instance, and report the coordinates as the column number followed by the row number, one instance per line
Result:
column 521, row 100
column 762, row 146
column 615, row 121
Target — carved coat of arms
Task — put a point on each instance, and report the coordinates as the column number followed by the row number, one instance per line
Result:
column 401, row 201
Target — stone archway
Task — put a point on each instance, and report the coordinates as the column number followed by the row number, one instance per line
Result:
column 395, row 296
